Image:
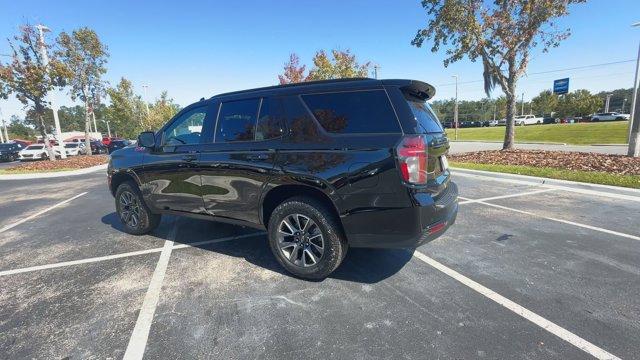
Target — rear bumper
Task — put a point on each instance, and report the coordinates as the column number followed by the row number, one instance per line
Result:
column 405, row 227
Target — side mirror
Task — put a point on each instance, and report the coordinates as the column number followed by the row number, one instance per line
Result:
column 147, row 139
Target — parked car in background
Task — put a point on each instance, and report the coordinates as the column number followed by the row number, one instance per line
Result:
column 549, row 120
column 609, row 116
column 522, row 120
column 9, row 151
column 502, row 122
column 117, row 144
column 33, row 152
column 493, row 122
column 73, row 149
column 97, row 147
column 23, row 143
column 323, row 166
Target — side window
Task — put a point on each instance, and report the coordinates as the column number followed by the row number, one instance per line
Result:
column 185, row 130
column 237, row 121
column 353, row 112
column 269, row 123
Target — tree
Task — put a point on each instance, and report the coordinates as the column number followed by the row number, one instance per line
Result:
column 27, row 77
column 18, row 129
column 293, row 71
column 578, row 103
column 84, row 57
column 160, row 112
column 342, row 64
column 545, row 103
column 500, row 33
column 127, row 111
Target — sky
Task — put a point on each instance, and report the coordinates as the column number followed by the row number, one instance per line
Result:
column 195, row 49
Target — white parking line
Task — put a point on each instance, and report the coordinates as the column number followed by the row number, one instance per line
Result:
column 11, row 226
column 122, row 255
column 585, row 226
column 547, row 325
column 138, row 340
column 467, row 201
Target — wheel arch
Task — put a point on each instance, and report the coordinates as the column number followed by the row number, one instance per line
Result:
column 120, row 177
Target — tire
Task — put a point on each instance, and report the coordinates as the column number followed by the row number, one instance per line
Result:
column 320, row 228
column 133, row 212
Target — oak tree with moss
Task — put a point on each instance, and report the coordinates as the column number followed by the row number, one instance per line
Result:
column 501, row 33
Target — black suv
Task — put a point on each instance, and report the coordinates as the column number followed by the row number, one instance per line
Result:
column 9, row 151
column 323, row 166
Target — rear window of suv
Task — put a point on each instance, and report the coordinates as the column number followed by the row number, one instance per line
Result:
column 424, row 115
column 354, row 112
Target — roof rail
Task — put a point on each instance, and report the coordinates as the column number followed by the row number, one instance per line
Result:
column 304, row 83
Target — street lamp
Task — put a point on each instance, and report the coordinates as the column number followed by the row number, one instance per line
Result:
column 108, row 128
column 455, row 109
column 634, row 123
column 522, row 105
column 43, row 49
column 146, row 103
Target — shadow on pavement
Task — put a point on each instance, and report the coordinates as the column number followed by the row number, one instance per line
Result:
column 360, row 265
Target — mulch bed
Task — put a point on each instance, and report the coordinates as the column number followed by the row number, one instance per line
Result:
column 615, row 164
column 72, row 162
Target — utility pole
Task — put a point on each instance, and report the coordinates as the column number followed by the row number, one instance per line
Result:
column 522, row 105
column 606, row 103
column 455, row 109
column 45, row 58
column 375, row 71
column 634, row 122
column 624, row 102
column 495, row 108
column 1, row 125
column 108, row 128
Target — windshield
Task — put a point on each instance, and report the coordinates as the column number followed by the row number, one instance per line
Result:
column 425, row 116
column 6, row 146
column 71, row 146
column 35, row 147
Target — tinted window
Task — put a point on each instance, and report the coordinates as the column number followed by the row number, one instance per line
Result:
column 269, row 123
column 237, row 121
column 71, row 145
column 353, row 112
column 35, row 147
column 186, row 129
column 426, row 118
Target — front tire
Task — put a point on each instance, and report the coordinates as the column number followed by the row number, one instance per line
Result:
column 306, row 238
column 133, row 212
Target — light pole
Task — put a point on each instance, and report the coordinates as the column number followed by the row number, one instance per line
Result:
column 45, row 58
column 146, row 103
column 522, row 105
column 455, row 109
column 634, row 122
column 108, row 128
column 624, row 102
column 2, row 140
column 606, row 103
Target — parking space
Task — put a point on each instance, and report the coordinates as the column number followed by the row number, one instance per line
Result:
column 530, row 271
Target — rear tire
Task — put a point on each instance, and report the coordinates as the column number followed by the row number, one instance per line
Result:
column 306, row 238
column 133, row 212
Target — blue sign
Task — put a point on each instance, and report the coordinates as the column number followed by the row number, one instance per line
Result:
column 561, row 86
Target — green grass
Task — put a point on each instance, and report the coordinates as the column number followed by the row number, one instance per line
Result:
column 614, row 132
column 593, row 177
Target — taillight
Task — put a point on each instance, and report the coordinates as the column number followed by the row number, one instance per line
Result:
column 412, row 159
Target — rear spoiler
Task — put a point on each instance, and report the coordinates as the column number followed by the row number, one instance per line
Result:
column 414, row 88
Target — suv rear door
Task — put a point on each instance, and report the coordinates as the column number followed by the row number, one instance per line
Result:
column 239, row 155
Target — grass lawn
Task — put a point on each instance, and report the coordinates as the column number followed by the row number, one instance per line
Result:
column 614, row 132
column 594, row 177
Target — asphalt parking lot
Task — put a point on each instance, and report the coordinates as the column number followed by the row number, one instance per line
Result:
column 529, row 270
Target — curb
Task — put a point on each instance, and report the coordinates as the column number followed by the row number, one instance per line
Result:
column 609, row 145
column 544, row 180
column 517, row 143
column 45, row 175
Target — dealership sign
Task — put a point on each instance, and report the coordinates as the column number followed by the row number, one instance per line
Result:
column 561, row 86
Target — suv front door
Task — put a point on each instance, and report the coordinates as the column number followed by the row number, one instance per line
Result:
column 170, row 179
column 240, row 157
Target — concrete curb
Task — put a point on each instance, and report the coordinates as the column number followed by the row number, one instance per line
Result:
column 55, row 174
column 517, row 143
column 548, row 181
column 609, row 145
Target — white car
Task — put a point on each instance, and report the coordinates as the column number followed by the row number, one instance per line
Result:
column 527, row 120
column 33, row 152
column 73, row 149
column 610, row 116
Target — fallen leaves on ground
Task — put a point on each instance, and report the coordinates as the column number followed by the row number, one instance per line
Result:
column 72, row 162
column 615, row 164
